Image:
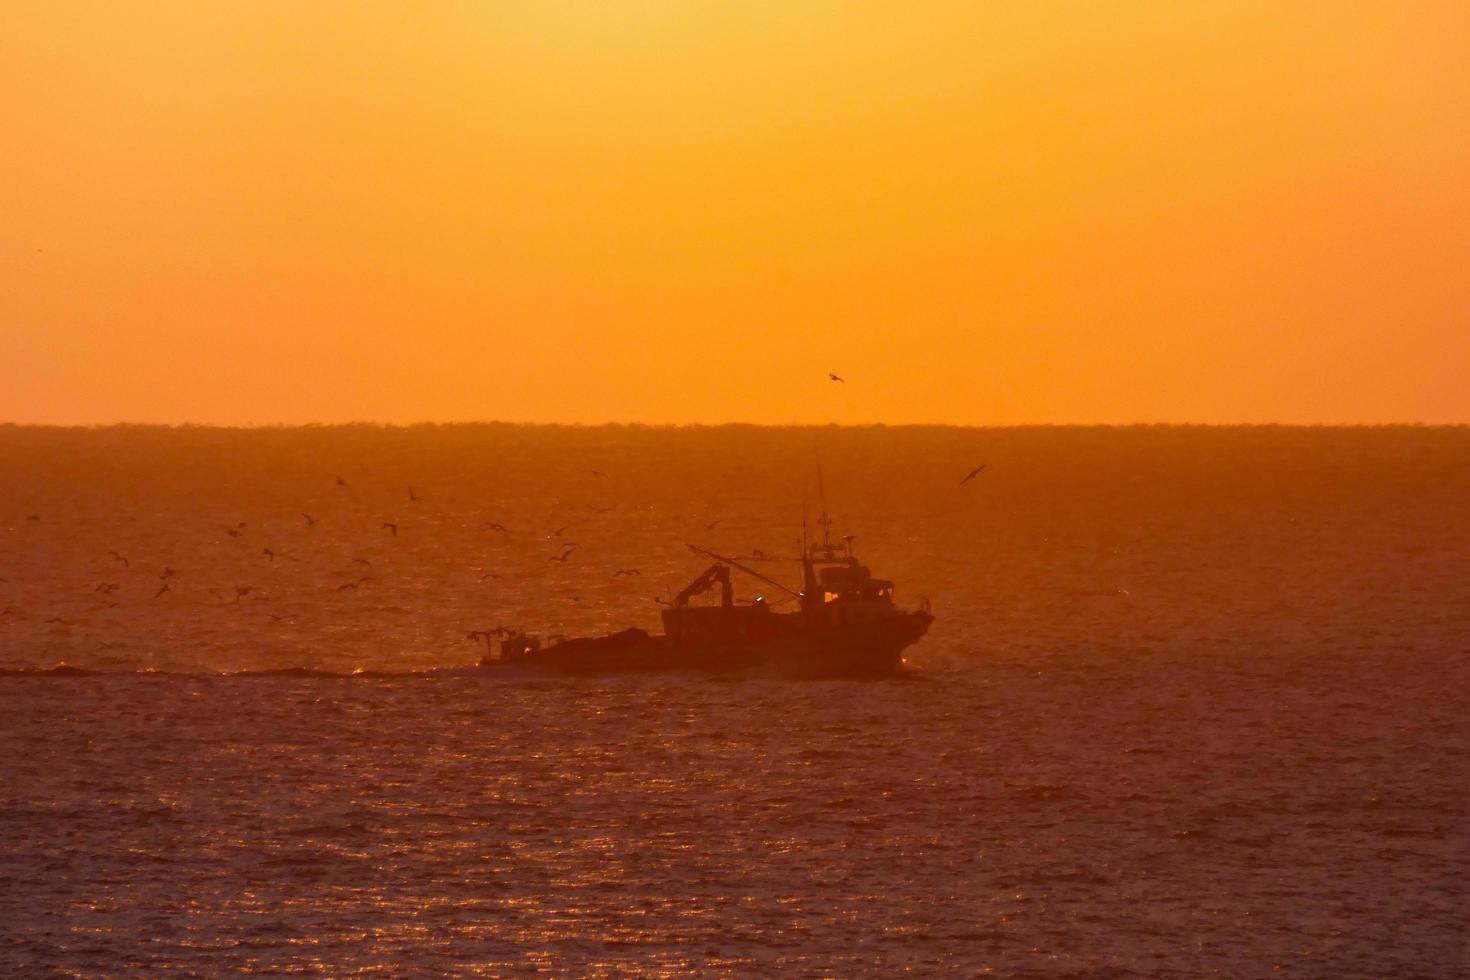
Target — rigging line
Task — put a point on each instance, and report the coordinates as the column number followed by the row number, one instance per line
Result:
column 748, row 571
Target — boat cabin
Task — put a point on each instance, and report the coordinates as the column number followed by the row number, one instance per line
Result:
column 837, row 588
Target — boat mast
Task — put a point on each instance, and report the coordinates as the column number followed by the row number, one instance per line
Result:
column 803, row 526
column 824, row 520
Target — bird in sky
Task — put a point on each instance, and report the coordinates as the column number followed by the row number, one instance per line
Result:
column 389, row 526
column 160, row 592
column 309, row 519
column 833, row 377
column 626, row 571
column 413, row 498
column 277, row 619
column 560, row 531
column 565, row 554
column 118, row 557
column 167, row 573
column 241, row 591
column 598, row 473
column 711, row 525
column 233, row 532
column 268, row 553
column 492, row 526
column 973, row 473
column 341, row 482
column 362, row 561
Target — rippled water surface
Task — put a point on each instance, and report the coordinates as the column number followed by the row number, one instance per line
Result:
column 1194, row 704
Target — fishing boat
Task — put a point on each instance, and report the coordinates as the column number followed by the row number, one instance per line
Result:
column 845, row 623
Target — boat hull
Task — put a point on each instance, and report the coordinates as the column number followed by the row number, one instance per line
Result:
column 870, row 648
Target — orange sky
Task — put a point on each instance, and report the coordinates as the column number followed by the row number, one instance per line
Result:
column 674, row 211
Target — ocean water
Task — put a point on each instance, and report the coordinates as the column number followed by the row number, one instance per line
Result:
column 1196, row 703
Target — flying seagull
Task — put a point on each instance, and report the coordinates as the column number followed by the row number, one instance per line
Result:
column 565, row 554
column 973, row 473
column 309, row 519
column 413, row 498
column 833, row 377
column 492, row 526
column 389, row 526
column 160, row 592
column 341, row 482
column 626, row 571
column 118, row 557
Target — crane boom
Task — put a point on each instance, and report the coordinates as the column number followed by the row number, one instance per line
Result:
column 706, row 581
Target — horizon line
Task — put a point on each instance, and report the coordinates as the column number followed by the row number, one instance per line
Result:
column 367, row 423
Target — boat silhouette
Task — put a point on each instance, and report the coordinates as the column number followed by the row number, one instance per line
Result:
column 845, row 623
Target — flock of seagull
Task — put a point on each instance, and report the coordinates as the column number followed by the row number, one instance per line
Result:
column 105, row 590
